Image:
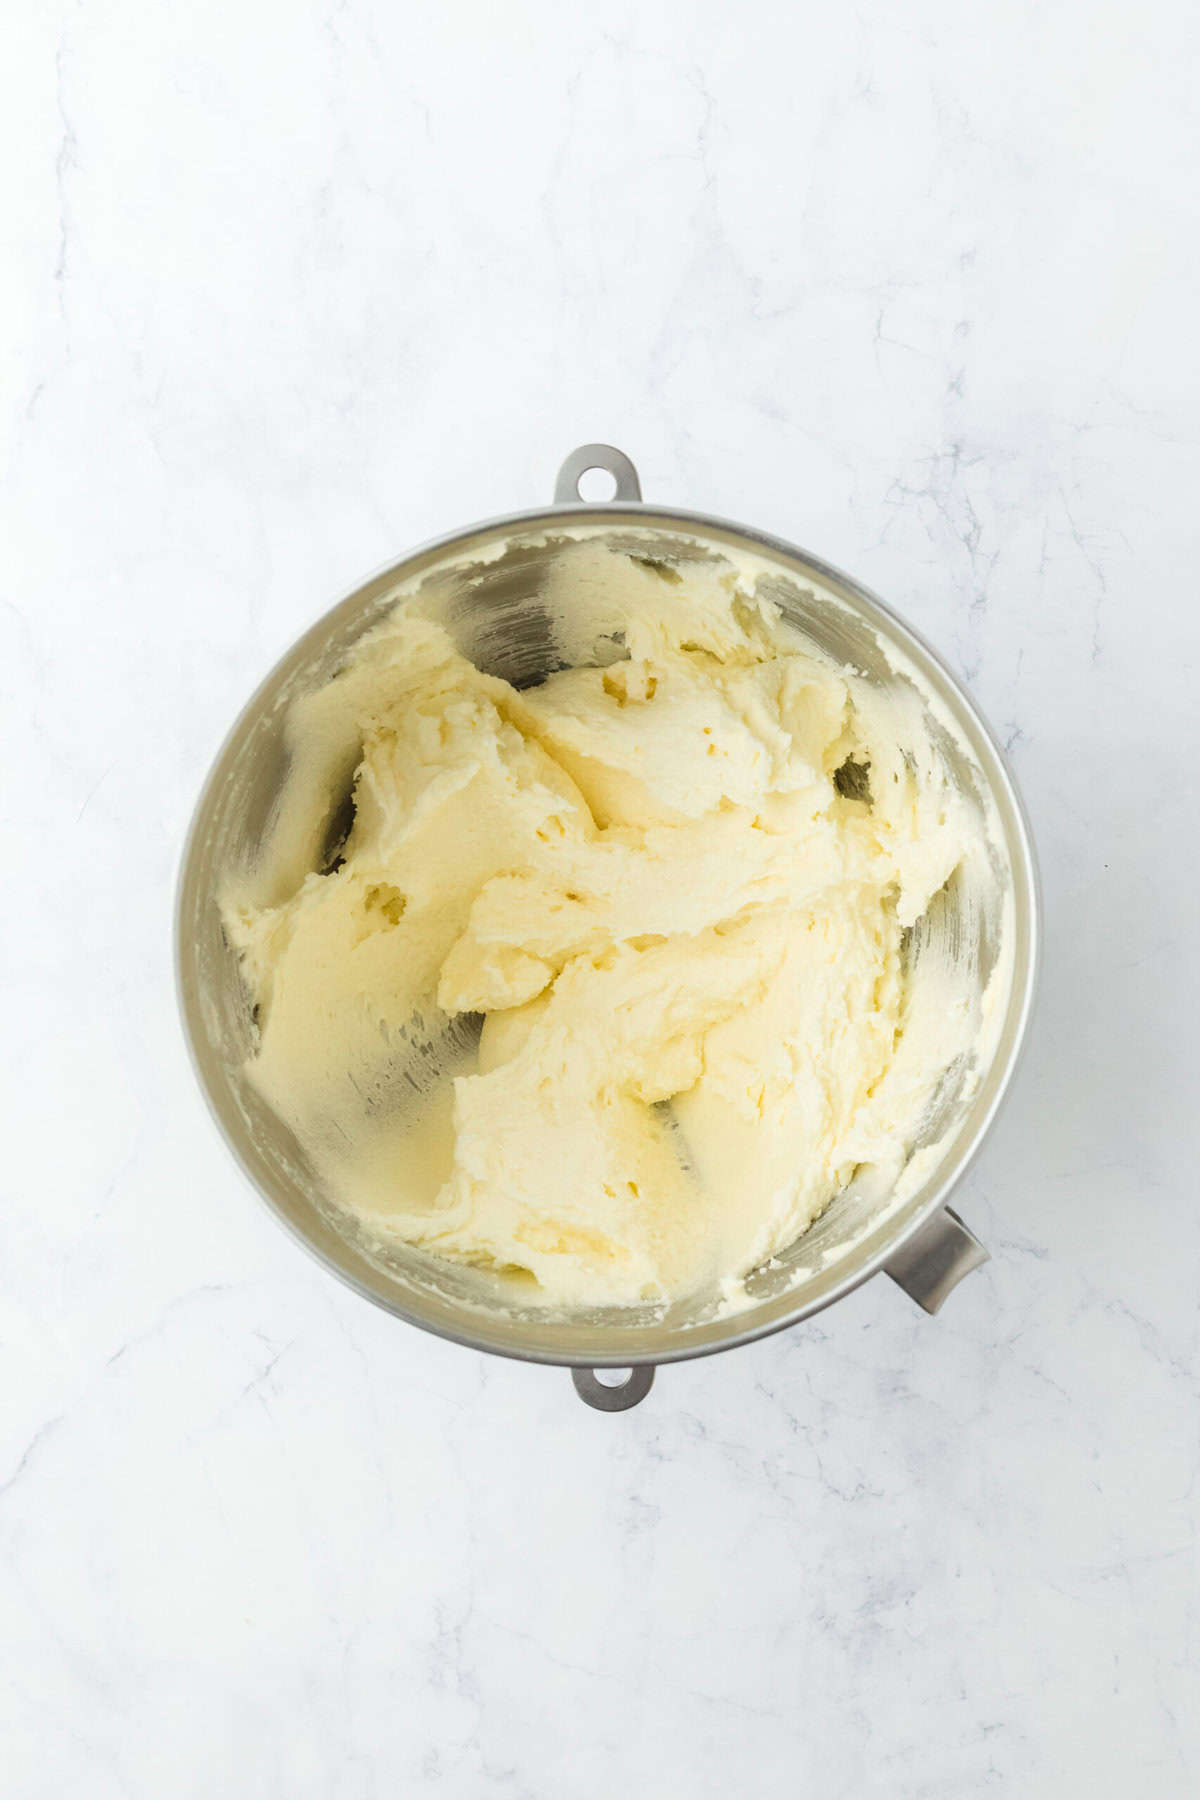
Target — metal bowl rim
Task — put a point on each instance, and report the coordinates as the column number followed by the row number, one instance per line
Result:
column 1026, row 883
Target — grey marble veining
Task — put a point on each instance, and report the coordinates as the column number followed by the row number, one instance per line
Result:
column 290, row 289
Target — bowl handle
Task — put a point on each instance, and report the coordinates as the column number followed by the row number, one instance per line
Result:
column 928, row 1267
column 935, row 1259
column 597, row 1393
column 596, row 456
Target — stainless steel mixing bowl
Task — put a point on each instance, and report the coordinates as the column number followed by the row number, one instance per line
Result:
column 486, row 582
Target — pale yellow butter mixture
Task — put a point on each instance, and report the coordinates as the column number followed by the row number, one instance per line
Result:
column 607, row 985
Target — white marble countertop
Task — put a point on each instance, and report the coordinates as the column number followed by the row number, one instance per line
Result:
column 290, row 288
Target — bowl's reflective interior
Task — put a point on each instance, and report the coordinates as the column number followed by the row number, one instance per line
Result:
column 491, row 605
